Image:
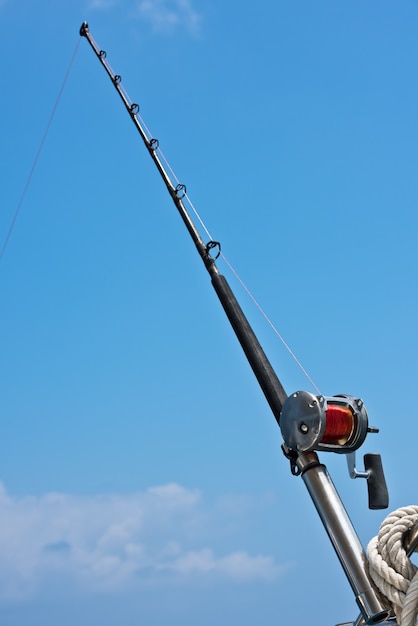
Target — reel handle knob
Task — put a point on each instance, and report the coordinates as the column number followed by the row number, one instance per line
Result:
column 376, row 482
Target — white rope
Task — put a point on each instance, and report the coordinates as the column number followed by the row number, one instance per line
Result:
column 390, row 567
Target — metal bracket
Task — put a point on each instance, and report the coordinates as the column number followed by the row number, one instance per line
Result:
column 352, row 470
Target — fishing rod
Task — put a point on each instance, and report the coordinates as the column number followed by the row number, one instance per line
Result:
column 309, row 423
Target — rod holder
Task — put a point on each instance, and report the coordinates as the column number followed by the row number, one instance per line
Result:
column 374, row 608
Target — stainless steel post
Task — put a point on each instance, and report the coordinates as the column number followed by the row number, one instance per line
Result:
column 373, row 606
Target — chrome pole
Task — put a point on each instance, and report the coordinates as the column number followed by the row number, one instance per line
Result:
column 374, row 608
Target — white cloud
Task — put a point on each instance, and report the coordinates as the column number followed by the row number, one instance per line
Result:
column 238, row 566
column 168, row 15
column 164, row 16
column 101, row 4
column 116, row 542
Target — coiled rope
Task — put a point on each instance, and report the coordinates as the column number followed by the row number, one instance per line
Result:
column 391, row 568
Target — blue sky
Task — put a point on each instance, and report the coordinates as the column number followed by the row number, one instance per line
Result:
column 143, row 481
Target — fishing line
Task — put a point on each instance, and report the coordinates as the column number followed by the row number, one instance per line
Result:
column 256, row 303
column 237, row 276
column 270, row 323
column 35, row 161
column 178, row 193
column 243, row 285
column 231, row 268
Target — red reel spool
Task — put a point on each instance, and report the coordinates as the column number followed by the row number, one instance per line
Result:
column 339, row 425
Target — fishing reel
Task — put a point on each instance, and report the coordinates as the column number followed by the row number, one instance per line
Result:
column 329, row 424
column 334, row 424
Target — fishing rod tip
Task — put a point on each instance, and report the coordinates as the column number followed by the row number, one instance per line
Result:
column 84, row 29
